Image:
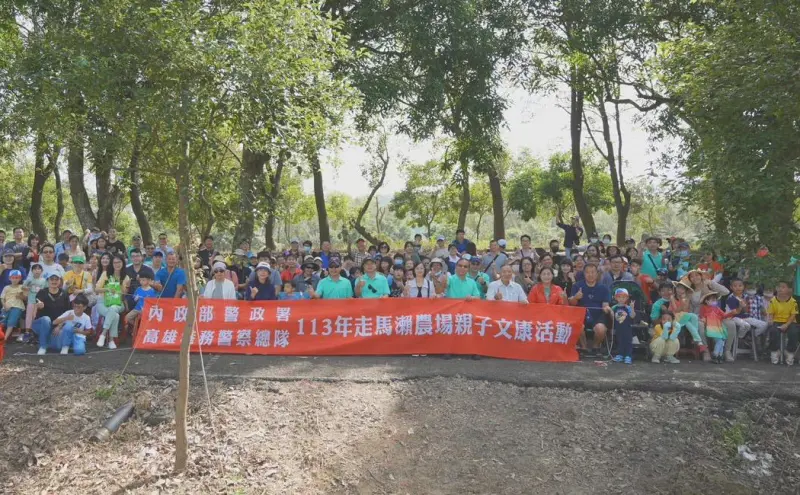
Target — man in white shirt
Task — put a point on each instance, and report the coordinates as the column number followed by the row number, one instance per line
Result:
column 49, row 266
column 506, row 289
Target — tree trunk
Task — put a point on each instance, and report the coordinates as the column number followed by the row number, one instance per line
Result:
column 319, row 198
column 40, row 175
column 106, row 192
column 622, row 197
column 183, row 182
column 136, row 196
column 377, row 217
column 576, row 117
column 497, row 204
column 384, row 158
column 59, row 199
column 77, row 190
column 465, row 197
column 272, row 200
column 478, row 227
column 251, row 182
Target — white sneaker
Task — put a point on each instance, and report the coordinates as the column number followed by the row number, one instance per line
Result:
column 111, row 344
column 656, row 360
column 20, row 337
column 774, row 356
column 65, row 350
column 101, row 341
column 673, row 360
column 41, row 352
column 789, row 358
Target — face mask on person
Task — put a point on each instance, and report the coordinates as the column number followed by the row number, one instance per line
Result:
column 606, row 240
column 750, row 292
column 307, row 249
column 593, row 240
column 684, row 254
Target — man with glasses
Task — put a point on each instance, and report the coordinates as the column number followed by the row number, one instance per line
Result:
column 460, row 286
column 48, row 261
column 334, row 286
column 506, row 289
column 136, row 243
column 371, row 285
column 133, row 271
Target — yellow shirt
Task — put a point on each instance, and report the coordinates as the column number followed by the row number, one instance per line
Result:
column 77, row 282
column 782, row 311
column 12, row 297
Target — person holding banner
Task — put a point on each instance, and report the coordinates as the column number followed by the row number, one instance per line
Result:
column 334, row 286
column 261, row 288
column 219, row 287
column 460, row 286
column 506, row 289
column 371, row 285
column 595, row 297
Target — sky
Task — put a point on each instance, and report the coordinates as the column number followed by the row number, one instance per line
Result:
column 536, row 122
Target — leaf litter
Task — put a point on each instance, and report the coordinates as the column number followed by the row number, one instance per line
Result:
column 435, row 436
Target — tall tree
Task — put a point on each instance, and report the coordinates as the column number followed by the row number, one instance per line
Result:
column 427, row 196
column 375, row 172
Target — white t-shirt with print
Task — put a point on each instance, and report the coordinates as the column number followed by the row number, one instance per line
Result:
column 82, row 322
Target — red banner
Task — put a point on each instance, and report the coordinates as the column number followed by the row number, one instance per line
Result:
column 533, row 332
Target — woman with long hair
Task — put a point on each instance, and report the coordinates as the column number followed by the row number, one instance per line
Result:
column 104, row 266
column 31, row 252
column 110, row 286
column 420, row 286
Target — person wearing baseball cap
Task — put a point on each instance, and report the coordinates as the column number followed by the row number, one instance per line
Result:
column 440, row 250
column 136, row 243
column 334, row 286
column 475, row 273
column 494, row 259
column 50, row 305
column 77, row 281
column 623, row 315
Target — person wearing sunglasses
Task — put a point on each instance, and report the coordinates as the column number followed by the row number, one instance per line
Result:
column 460, row 286
column 334, row 286
column 48, row 261
column 219, row 287
column 372, row 284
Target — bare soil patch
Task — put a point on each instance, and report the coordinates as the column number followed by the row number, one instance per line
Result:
column 437, row 436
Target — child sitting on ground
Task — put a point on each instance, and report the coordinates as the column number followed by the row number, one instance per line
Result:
column 13, row 299
column 712, row 316
column 781, row 313
column 75, row 326
column 623, row 315
column 664, row 343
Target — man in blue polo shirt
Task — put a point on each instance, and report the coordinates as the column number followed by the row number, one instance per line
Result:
column 595, row 297
column 171, row 279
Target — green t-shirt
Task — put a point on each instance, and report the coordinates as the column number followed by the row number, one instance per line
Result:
column 330, row 289
column 796, row 259
column 477, row 278
column 460, row 289
column 375, row 287
column 113, row 293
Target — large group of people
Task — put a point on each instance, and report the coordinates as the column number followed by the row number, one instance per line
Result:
column 57, row 294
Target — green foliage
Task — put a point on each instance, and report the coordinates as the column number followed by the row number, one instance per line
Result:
column 16, row 183
column 734, row 73
column 428, row 196
column 533, row 187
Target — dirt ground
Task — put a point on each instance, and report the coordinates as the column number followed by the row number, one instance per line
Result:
column 436, row 436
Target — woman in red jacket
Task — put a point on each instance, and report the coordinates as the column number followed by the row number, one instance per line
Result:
column 546, row 292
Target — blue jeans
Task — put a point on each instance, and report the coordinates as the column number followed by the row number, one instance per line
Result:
column 11, row 318
column 43, row 327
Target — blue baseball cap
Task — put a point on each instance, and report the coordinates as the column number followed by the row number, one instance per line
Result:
column 621, row 291
column 15, row 273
